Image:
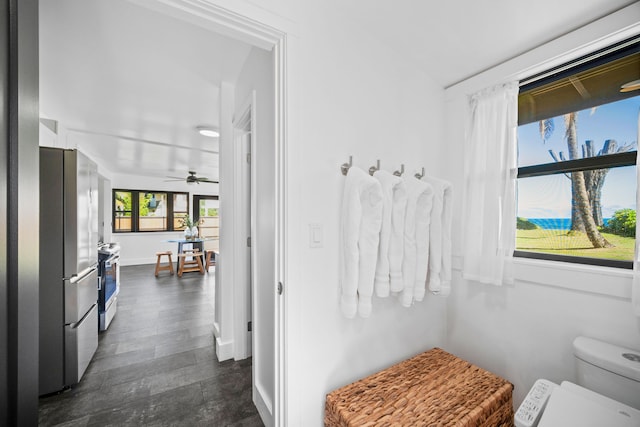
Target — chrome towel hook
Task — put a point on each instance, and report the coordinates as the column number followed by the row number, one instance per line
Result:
column 400, row 172
column 420, row 175
column 345, row 166
column 375, row 168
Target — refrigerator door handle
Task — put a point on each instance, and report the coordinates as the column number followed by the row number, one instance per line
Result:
column 80, row 293
column 75, row 278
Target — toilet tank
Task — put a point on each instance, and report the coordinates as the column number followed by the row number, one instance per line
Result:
column 608, row 369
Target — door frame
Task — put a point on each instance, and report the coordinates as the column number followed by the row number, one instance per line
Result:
column 241, row 27
column 19, row 238
column 242, row 296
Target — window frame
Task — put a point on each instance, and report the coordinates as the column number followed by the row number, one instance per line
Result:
column 172, row 194
column 135, row 210
column 132, row 212
column 196, row 204
column 602, row 56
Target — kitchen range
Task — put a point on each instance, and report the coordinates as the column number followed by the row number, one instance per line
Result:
column 108, row 283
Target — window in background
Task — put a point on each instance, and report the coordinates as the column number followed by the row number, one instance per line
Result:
column 152, row 214
column 206, row 211
column 122, row 209
column 144, row 211
column 577, row 145
column 180, row 209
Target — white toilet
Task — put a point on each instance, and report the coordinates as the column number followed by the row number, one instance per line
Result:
column 608, row 394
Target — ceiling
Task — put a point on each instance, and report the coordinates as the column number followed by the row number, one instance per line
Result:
column 129, row 85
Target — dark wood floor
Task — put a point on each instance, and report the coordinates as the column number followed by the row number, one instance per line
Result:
column 156, row 363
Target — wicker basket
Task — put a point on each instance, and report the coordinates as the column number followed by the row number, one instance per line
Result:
column 434, row 388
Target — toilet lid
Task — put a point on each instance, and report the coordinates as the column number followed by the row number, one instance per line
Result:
column 567, row 408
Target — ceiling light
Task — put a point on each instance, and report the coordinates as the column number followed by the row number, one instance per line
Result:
column 208, row 131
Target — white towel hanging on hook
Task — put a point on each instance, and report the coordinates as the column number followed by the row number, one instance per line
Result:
column 416, row 240
column 361, row 219
column 439, row 274
column 389, row 266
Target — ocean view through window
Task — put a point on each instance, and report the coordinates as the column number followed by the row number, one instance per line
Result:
column 577, row 148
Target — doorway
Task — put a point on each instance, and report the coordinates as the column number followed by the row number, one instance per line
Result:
column 262, row 37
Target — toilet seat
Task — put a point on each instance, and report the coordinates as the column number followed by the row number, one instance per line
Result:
column 573, row 405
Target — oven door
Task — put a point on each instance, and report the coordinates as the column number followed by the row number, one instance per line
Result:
column 109, row 292
column 111, row 278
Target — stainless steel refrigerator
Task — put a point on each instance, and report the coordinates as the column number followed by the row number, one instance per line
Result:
column 68, row 267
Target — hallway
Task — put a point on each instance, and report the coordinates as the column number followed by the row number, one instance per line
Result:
column 156, row 363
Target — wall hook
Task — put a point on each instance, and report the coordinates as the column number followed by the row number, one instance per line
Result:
column 400, row 172
column 420, row 175
column 345, row 166
column 375, row 168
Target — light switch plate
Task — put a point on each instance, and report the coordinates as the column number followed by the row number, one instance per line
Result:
column 316, row 238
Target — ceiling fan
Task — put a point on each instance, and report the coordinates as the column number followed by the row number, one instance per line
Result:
column 191, row 179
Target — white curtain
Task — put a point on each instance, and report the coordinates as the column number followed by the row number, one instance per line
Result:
column 490, row 185
column 635, row 291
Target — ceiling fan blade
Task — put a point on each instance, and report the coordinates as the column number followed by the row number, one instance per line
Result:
column 207, row 180
column 191, row 178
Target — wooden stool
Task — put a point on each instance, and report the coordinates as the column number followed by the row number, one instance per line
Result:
column 164, row 267
column 209, row 260
column 195, row 264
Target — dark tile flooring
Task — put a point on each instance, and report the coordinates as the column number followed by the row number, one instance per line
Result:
column 156, row 364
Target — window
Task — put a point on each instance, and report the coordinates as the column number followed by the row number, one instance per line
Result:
column 205, row 211
column 577, row 146
column 142, row 211
column 122, row 210
column 180, row 209
column 152, row 211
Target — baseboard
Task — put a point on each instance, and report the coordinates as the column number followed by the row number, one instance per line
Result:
column 139, row 261
column 224, row 350
column 263, row 405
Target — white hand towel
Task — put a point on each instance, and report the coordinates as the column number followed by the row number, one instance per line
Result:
column 416, row 228
column 392, row 186
column 447, row 219
column 424, row 205
column 396, row 240
column 361, row 222
column 439, row 275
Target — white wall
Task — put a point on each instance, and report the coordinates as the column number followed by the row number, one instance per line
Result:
column 258, row 75
column 525, row 332
column 349, row 97
column 224, row 266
